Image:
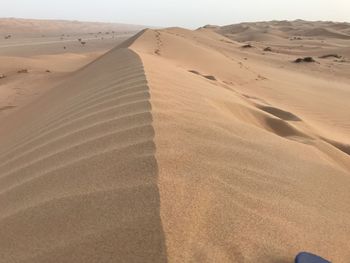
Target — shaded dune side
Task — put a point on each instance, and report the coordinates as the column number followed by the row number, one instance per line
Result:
column 78, row 174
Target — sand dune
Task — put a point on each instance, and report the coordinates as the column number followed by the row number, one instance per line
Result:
column 180, row 146
column 286, row 29
column 35, row 27
column 251, row 181
column 92, row 147
column 46, row 61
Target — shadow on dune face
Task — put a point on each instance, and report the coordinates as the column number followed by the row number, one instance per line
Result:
column 284, row 115
column 79, row 184
column 121, row 224
column 268, row 118
column 283, row 128
column 345, row 148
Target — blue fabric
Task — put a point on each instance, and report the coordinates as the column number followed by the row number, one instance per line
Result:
column 305, row 257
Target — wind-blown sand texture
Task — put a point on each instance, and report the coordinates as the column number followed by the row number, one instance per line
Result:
column 92, row 148
column 180, row 146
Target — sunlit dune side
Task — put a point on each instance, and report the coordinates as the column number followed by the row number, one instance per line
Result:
column 180, row 146
column 240, row 180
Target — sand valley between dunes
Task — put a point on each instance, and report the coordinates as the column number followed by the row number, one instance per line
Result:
column 178, row 146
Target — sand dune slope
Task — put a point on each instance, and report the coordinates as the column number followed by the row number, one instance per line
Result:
column 178, row 146
column 78, row 175
column 239, row 179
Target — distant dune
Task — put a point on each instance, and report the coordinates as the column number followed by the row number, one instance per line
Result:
column 30, row 27
column 183, row 146
column 259, row 31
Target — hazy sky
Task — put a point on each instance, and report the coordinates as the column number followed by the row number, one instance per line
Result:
column 187, row 13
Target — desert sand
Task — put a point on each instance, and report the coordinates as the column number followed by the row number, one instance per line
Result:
column 179, row 146
column 44, row 28
column 66, row 47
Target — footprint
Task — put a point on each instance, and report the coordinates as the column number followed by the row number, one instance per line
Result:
column 210, row 77
column 159, row 43
column 6, row 108
column 194, row 72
